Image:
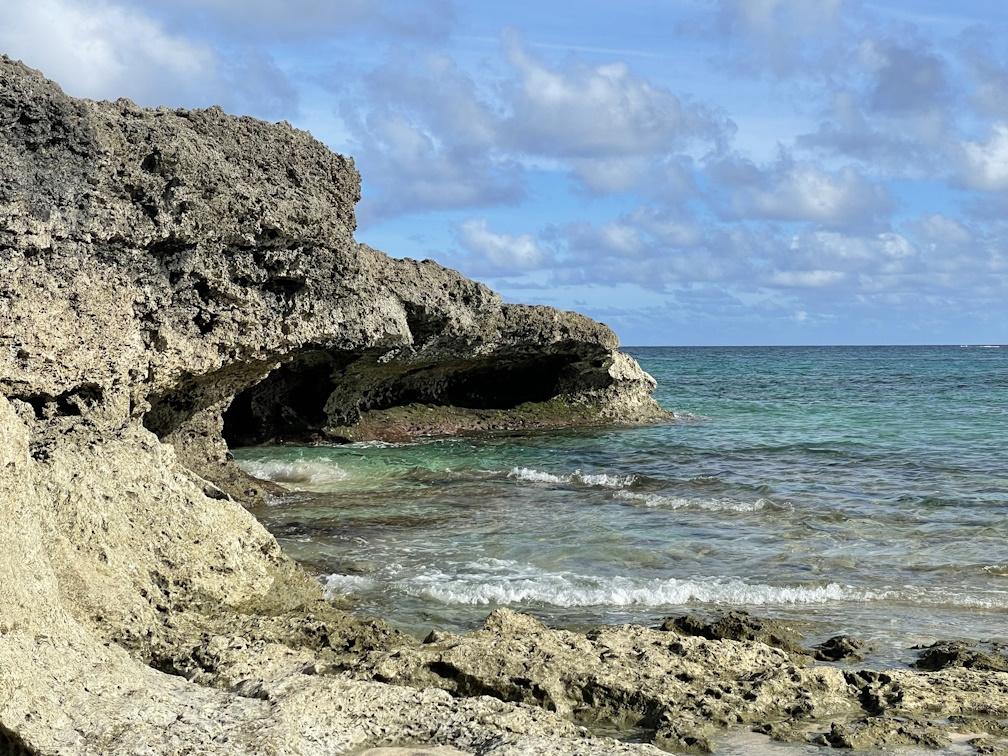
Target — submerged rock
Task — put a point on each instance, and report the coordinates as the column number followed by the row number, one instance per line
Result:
column 841, row 648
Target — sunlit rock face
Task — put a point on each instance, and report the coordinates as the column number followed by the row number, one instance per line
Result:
column 198, row 272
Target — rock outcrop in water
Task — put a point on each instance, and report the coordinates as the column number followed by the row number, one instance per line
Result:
column 174, row 281
column 198, row 274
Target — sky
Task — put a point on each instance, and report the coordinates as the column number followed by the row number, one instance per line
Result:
column 690, row 172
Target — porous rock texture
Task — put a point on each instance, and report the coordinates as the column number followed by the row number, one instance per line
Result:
column 171, row 281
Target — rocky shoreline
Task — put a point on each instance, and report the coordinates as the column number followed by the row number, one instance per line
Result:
column 172, row 282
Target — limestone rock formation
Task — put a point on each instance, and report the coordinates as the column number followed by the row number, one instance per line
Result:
column 158, row 268
column 198, row 273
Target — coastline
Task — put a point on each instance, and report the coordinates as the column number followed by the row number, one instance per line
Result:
column 200, row 285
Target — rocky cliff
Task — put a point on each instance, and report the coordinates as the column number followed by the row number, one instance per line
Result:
column 174, row 281
column 199, row 274
column 171, row 281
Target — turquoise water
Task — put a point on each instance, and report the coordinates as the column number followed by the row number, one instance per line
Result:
column 850, row 489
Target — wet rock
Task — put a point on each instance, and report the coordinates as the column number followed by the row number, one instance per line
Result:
column 970, row 655
column 876, row 732
column 680, row 690
column 738, row 626
column 841, row 648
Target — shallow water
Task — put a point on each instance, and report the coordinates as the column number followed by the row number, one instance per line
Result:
column 849, row 489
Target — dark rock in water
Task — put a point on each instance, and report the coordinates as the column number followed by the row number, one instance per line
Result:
column 841, row 648
column 946, row 654
column 876, row 732
column 738, row 626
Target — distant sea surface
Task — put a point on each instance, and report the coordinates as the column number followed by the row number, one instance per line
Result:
column 858, row 490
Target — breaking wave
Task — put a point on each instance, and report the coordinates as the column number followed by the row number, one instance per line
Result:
column 494, row 581
column 601, row 480
column 659, row 501
column 318, row 474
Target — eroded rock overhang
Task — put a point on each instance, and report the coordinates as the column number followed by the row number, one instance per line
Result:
column 200, row 275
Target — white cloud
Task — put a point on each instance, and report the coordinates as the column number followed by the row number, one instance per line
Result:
column 506, row 254
column 803, row 192
column 106, row 50
column 768, row 16
column 423, row 139
column 595, row 112
column 986, row 163
column 807, row 279
column 101, row 50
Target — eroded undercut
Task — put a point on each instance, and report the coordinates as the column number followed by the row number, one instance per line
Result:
column 323, row 395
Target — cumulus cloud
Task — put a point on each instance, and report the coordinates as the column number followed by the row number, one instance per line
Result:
column 500, row 255
column 427, row 135
column 424, row 138
column 99, row 49
column 985, row 164
column 592, row 112
column 850, row 131
column 782, row 37
column 107, row 50
column 987, row 64
column 802, row 192
column 909, row 78
column 652, row 248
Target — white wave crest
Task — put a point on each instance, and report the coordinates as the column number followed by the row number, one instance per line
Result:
column 659, row 501
column 318, row 474
column 685, row 416
column 497, row 582
column 600, row 480
column 345, row 584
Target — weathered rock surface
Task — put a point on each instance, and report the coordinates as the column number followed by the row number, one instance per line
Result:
column 191, row 262
column 171, row 281
column 682, row 692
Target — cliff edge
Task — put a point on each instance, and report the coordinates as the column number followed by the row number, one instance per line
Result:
column 197, row 272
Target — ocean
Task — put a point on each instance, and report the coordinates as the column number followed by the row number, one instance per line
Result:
column 859, row 490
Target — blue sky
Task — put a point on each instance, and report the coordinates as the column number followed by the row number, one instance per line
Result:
column 687, row 171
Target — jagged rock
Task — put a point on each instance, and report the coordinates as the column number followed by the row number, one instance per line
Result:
column 680, row 690
column 841, row 648
column 199, row 273
column 738, row 626
column 947, row 654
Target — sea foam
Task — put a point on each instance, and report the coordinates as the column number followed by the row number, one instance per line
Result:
column 505, row 582
column 659, row 501
column 318, row 474
column 600, row 480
